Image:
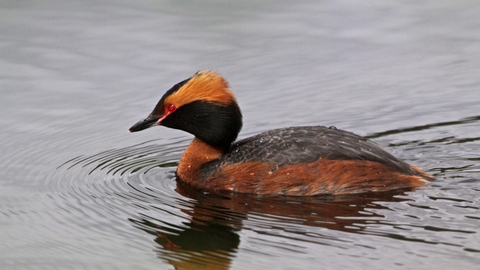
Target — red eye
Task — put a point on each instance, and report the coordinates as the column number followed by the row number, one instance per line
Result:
column 171, row 108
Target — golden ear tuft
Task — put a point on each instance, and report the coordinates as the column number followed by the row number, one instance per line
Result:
column 204, row 85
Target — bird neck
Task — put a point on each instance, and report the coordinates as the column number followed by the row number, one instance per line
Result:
column 196, row 154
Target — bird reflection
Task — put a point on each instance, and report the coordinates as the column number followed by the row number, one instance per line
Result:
column 209, row 239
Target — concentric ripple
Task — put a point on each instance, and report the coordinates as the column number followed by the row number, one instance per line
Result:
column 136, row 187
column 98, row 194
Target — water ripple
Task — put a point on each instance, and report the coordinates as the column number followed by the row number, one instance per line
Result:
column 137, row 184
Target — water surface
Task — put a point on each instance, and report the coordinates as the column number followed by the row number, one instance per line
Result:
column 78, row 192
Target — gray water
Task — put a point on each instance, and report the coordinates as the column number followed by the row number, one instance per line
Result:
column 79, row 192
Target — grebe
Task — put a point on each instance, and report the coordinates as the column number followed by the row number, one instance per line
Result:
column 298, row 161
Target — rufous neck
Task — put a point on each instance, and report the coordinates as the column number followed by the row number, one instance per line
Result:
column 196, row 154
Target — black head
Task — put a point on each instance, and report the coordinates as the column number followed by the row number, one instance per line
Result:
column 201, row 105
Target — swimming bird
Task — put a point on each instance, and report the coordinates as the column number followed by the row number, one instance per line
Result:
column 297, row 161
